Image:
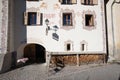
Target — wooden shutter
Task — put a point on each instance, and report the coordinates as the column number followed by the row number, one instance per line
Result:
column 38, row 18
column 25, row 18
column 92, row 21
column 41, row 18
column 82, row 1
column 71, row 19
column 95, row 1
column 74, row 1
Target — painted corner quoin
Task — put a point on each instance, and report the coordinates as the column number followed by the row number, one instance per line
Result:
column 4, row 25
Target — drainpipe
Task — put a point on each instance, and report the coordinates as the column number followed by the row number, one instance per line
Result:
column 113, row 35
column 113, row 28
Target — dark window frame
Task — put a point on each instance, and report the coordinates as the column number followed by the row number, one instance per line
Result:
column 67, row 19
column 83, row 47
column 68, row 2
column 68, row 46
column 32, row 18
column 89, row 20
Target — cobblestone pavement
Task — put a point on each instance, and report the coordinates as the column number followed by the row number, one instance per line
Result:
column 30, row 72
column 84, row 72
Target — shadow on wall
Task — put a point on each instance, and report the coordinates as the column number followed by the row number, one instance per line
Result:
column 6, row 63
column 9, row 61
column 17, row 31
column 20, row 32
column 119, row 77
column 107, row 56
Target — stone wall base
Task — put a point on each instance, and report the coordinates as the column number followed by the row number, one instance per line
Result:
column 94, row 58
column 76, row 59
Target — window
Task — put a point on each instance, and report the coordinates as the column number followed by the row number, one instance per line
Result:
column 68, row 1
column 33, row 18
column 67, row 19
column 89, row 2
column 32, row 0
column 89, row 20
column 83, row 47
column 68, row 47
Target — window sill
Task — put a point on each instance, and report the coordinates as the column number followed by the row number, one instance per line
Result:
column 67, row 27
column 89, row 4
column 34, row 25
column 89, row 27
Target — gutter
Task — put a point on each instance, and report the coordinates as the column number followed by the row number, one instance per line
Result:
column 113, row 35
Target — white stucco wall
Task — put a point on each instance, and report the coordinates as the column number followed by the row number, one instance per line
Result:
column 113, row 18
column 116, row 21
column 0, row 21
column 95, row 38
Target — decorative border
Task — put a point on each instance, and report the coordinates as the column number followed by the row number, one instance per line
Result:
column 32, row 9
column 56, row 6
column 73, row 18
column 68, row 42
column 83, row 22
column 4, row 26
column 86, row 45
column 103, row 25
column 43, row 5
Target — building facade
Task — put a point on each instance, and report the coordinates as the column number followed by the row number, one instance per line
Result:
column 67, row 31
column 65, row 27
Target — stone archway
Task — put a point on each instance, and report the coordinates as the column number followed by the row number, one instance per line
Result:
column 35, row 53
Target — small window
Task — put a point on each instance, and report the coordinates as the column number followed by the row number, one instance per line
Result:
column 68, row 47
column 89, row 2
column 89, row 20
column 67, row 19
column 68, row 1
column 83, row 47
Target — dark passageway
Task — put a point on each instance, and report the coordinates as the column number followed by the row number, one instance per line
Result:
column 35, row 53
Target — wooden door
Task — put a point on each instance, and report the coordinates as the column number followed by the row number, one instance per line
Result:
column 29, row 52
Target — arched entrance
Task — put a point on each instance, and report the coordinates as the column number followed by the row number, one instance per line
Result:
column 35, row 53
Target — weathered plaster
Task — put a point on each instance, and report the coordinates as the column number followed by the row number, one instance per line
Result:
column 4, row 26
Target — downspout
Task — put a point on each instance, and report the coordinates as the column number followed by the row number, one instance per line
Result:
column 113, row 35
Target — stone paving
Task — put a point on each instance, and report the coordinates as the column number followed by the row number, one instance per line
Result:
column 30, row 72
column 84, row 72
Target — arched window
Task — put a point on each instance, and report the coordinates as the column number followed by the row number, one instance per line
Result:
column 83, row 45
column 69, row 45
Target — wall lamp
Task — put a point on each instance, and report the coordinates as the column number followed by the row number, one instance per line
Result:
column 55, row 27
